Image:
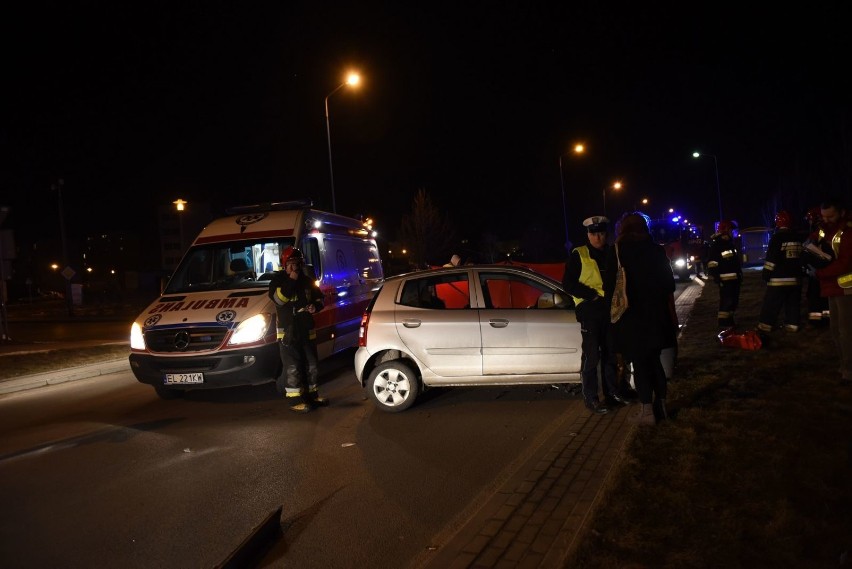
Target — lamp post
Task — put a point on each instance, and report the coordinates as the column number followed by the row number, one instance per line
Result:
column 352, row 79
column 718, row 191
column 578, row 149
column 180, row 206
column 615, row 186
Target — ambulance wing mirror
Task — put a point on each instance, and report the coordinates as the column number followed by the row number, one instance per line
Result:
column 310, row 271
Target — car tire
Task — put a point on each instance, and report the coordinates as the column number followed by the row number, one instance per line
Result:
column 393, row 386
column 168, row 393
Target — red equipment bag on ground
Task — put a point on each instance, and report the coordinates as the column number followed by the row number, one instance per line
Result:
column 748, row 340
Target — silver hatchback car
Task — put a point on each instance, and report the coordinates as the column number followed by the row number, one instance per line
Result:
column 462, row 326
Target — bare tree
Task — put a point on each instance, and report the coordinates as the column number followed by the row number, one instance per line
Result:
column 428, row 232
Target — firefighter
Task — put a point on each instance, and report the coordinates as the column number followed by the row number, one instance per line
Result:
column 782, row 271
column 725, row 267
column 297, row 297
column 583, row 281
column 817, row 304
column 835, row 281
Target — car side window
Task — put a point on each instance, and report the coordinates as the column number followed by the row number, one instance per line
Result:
column 503, row 291
column 441, row 292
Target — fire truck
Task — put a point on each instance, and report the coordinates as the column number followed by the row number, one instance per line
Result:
column 683, row 242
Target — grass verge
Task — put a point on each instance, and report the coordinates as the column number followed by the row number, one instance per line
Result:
column 18, row 365
column 752, row 470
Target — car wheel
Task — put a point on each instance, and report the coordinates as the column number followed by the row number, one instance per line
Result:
column 393, row 386
column 168, row 393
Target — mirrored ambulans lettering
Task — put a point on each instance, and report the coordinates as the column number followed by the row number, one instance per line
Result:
column 211, row 304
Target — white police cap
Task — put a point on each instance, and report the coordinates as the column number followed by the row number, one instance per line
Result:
column 596, row 224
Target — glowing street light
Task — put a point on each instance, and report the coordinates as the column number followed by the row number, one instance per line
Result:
column 718, row 191
column 614, row 186
column 579, row 148
column 353, row 79
column 180, row 205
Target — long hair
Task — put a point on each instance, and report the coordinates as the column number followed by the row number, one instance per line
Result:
column 633, row 226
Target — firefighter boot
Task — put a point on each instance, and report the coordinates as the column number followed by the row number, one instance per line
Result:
column 297, row 403
column 314, row 398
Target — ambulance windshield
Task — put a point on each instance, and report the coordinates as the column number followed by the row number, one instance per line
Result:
column 228, row 266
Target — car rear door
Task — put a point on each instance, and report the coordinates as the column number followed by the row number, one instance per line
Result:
column 436, row 323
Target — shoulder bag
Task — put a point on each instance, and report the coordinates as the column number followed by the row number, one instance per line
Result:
column 619, row 294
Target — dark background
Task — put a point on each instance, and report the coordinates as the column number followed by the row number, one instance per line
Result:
column 137, row 105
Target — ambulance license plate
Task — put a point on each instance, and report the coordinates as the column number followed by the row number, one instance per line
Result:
column 183, row 378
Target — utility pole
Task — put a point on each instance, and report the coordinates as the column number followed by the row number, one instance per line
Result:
column 67, row 271
column 4, row 254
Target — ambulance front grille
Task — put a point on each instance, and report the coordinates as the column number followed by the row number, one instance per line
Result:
column 185, row 339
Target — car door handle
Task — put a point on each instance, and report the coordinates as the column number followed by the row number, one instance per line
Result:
column 411, row 322
column 498, row 322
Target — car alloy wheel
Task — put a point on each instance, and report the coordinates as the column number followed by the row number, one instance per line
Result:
column 393, row 386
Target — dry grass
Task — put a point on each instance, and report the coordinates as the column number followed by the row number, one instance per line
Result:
column 753, row 470
column 17, row 365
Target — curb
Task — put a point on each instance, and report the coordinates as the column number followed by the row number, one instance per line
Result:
column 26, row 382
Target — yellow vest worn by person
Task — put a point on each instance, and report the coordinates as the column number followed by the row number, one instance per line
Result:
column 590, row 274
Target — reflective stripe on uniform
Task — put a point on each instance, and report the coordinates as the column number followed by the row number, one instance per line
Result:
column 727, row 253
column 728, row 276
column 783, row 281
column 768, row 266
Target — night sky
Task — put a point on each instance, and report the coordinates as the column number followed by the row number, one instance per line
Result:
column 137, row 105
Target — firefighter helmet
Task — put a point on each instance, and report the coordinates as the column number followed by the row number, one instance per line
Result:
column 726, row 226
column 291, row 254
column 783, row 220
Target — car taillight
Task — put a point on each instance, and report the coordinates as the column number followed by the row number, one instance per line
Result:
column 362, row 330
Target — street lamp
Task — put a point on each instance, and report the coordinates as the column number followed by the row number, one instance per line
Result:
column 578, row 149
column 718, row 191
column 352, row 80
column 180, row 205
column 615, row 186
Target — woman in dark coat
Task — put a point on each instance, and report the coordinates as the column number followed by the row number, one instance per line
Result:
column 647, row 326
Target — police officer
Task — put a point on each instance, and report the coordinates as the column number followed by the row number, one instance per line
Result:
column 782, row 271
column 725, row 267
column 583, row 280
column 297, row 297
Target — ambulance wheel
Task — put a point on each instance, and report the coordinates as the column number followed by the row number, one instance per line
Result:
column 393, row 386
column 168, row 393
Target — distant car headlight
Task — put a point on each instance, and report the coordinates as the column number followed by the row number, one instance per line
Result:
column 680, row 263
column 137, row 340
column 251, row 330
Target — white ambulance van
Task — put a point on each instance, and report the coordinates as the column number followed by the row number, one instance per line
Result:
column 214, row 325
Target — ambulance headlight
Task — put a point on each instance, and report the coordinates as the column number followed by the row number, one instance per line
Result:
column 251, row 330
column 137, row 340
column 680, row 263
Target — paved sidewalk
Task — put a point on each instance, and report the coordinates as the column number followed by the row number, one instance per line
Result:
column 539, row 516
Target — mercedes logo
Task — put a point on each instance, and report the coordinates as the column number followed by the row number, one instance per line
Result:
column 182, row 340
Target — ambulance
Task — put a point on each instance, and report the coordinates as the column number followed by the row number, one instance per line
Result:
column 214, row 324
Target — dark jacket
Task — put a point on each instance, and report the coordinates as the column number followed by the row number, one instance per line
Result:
column 291, row 297
column 648, row 324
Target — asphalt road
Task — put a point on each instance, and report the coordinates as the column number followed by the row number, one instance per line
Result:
column 100, row 472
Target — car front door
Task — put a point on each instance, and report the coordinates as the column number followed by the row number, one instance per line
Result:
column 523, row 332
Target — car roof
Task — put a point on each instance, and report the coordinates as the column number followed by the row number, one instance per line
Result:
column 484, row 266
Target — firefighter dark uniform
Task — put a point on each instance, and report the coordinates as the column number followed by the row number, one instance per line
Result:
column 782, row 272
column 583, row 281
column 818, row 313
column 295, row 299
column 725, row 267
